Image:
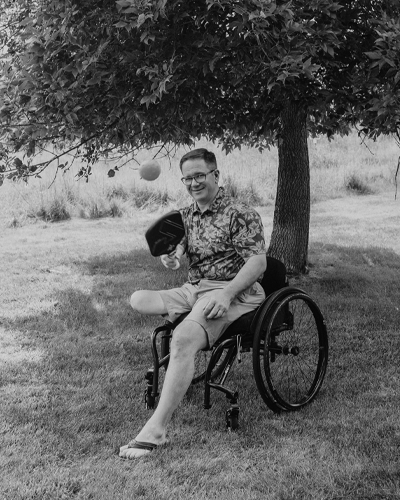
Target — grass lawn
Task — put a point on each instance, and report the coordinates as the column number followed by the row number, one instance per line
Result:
column 73, row 357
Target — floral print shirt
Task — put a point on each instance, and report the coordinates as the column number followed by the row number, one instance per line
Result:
column 220, row 240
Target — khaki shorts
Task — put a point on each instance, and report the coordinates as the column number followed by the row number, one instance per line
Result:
column 193, row 298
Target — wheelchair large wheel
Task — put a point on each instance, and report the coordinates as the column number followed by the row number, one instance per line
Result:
column 290, row 351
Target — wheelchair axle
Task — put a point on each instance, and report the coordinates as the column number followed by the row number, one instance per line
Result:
column 285, row 350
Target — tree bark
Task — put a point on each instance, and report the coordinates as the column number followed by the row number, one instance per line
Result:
column 290, row 233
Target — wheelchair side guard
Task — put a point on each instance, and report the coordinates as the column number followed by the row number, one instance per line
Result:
column 270, row 301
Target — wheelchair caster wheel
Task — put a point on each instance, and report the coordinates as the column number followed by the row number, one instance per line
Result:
column 232, row 418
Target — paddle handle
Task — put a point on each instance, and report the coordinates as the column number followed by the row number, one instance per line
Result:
column 176, row 266
column 176, row 254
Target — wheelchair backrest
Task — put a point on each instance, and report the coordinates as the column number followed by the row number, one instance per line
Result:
column 274, row 277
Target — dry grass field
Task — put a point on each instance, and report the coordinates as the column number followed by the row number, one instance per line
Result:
column 73, row 354
column 345, row 165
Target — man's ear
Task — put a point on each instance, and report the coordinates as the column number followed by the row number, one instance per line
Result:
column 216, row 174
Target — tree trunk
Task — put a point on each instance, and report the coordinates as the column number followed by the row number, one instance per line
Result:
column 289, row 239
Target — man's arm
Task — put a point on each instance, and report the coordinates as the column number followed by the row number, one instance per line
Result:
column 220, row 300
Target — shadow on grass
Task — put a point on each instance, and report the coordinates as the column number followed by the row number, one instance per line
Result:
column 359, row 294
column 89, row 385
column 96, row 351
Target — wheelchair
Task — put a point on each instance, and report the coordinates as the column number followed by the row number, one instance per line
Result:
column 289, row 342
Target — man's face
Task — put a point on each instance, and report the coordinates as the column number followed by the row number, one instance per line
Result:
column 205, row 191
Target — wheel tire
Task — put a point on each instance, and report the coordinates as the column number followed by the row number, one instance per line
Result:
column 290, row 352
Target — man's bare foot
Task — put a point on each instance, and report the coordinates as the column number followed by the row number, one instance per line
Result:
column 140, row 447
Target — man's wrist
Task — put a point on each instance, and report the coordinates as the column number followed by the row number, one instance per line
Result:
column 230, row 292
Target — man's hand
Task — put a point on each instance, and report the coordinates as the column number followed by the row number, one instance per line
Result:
column 221, row 299
column 219, row 303
column 172, row 260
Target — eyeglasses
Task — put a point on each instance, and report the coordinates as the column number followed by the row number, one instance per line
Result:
column 198, row 178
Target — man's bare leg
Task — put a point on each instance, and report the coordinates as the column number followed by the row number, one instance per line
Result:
column 148, row 302
column 189, row 338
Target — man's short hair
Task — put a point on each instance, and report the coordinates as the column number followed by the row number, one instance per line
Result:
column 201, row 153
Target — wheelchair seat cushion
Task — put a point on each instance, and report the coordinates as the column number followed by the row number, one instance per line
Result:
column 241, row 326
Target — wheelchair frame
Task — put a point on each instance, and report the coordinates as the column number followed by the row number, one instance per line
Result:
column 288, row 338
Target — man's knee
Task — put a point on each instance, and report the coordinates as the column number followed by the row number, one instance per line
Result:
column 189, row 338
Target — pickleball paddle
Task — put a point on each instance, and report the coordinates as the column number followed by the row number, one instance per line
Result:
column 165, row 233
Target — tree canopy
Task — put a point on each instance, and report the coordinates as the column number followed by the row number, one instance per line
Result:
column 102, row 76
column 107, row 75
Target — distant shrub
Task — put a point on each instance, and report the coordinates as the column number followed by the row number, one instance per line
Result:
column 357, row 185
column 147, row 198
column 54, row 210
column 247, row 194
column 231, row 188
column 322, row 162
column 95, row 209
column 116, row 209
column 70, row 193
column 117, row 192
column 14, row 222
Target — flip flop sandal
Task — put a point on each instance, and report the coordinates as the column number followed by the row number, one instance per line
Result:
column 141, row 445
column 137, row 445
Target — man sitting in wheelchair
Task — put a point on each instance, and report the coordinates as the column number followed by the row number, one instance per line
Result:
column 225, row 247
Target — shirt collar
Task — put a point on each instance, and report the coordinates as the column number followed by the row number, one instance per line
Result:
column 214, row 204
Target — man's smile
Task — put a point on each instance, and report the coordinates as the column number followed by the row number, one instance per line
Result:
column 196, row 190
